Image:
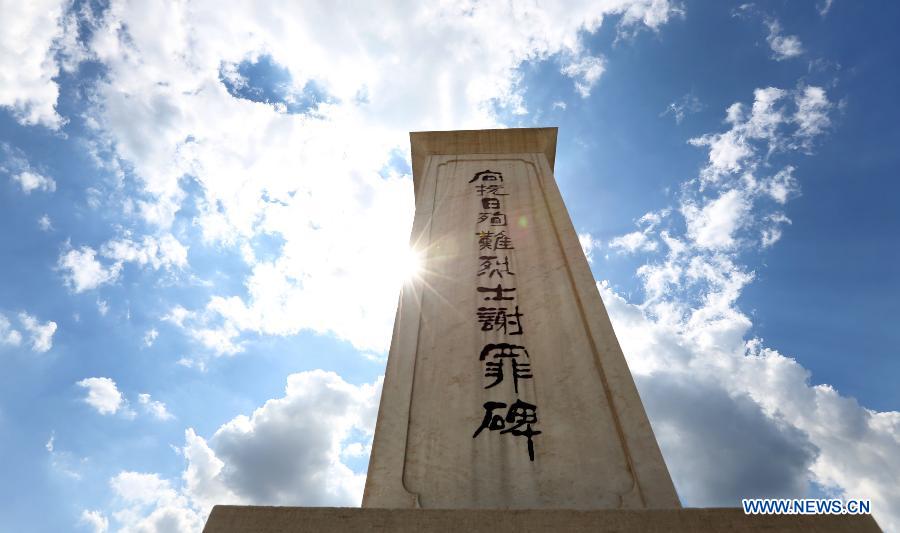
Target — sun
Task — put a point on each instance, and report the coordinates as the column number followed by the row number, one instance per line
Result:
column 409, row 264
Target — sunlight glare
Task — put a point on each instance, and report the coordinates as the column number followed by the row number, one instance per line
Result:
column 409, row 264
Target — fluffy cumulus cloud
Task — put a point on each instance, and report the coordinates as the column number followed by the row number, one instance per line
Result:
column 718, row 208
column 149, row 504
column 40, row 334
column 9, row 336
column 95, row 520
column 45, row 223
column 33, row 35
column 734, row 417
column 588, row 245
column 279, row 455
column 641, row 240
column 150, row 337
column 30, row 181
column 586, row 71
column 155, row 408
column 103, row 395
column 713, row 225
column 82, row 270
column 783, row 46
column 720, row 446
column 314, row 166
column 812, row 113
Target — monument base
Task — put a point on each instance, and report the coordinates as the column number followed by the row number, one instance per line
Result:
column 253, row 519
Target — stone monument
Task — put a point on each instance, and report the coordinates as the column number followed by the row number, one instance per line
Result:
column 505, row 386
column 507, row 403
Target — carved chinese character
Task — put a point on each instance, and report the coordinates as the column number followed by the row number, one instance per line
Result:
column 498, row 291
column 520, row 414
column 485, row 240
column 490, row 189
column 491, row 266
column 502, row 241
column 494, row 369
column 496, row 218
column 490, row 203
column 492, row 318
column 503, row 349
column 488, row 240
column 487, row 175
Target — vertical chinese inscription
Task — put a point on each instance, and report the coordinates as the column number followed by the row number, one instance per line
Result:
column 499, row 316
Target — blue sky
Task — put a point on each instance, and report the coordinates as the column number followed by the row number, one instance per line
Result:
column 204, row 211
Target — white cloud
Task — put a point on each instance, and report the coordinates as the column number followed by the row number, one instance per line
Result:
column 714, row 392
column 812, row 114
column 642, row 240
column 714, row 224
column 94, row 197
column 83, row 272
column 165, row 251
column 679, row 109
column 8, row 335
column 41, row 335
column 61, row 461
column 783, row 46
column 633, row 242
column 149, row 504
column 782, row 185
column 287, row 452
column 586, row 71
column 95, row 520
column 771, row 233
column 259, row 467
column 259, row 170
column 154, row 407
column 28, row 46
column 357, row 449
column 559, row 105
column 30, row 181
column 178, row 315
column 103, row 395
column 150, row 337
column 752, row 138
column 588, row 245
column 45, row 223
column 711, row 394
column 102, row 307
column 380, row 358
column 824, row 6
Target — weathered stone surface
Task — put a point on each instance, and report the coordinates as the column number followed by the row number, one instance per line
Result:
column 237, row 519
column 595, row 449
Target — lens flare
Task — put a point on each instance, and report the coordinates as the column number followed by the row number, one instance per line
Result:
column 409, row 264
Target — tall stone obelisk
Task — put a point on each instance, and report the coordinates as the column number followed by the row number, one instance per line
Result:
column 505, row 385
column 507, row 400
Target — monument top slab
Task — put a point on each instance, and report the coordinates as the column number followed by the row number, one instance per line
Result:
column 470, row 142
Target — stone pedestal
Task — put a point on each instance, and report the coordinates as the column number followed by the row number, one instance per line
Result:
column 235, row 519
